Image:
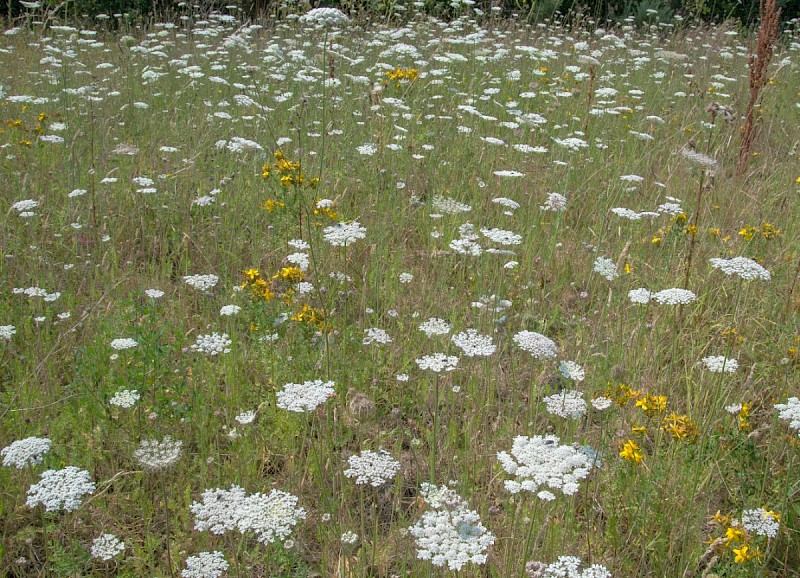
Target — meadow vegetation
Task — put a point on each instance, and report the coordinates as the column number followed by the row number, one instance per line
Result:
column 312, row 297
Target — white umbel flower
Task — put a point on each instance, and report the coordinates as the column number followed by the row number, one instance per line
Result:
column 566, row 567
column 107, row 546
column 566, row 404
column 540, row 461
column 606, row 268
column 790, row 411
column 124, row 343
column 326, row 17
column 437, row 362
column 536, row 344
column 675, row 296
column 306, row 396
column 473, row 344
column 25, row 453
column 201, row 282
column 156, row 455
column 741, row 267
column 435, row 326
column 571, row 370
column 7, row 332
column 373, row 468
column 125, row 399
column 451, row 534
column 205, row 565
column 640, row 296
column 761, row 522
column 212, row 344
column 344, row 234
column 720, row 364
column 61, row 489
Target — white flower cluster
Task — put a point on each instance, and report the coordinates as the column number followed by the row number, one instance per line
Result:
column 270, row 516
column 212, row 344
column 466, row 243
column 107, row 547
column 156, row 455
column 201, row 282
column 502, row 237
column 761, row 522
column 449, row 206
column 437, row 362
column 571, row 370
column 375, row 335
column 7, row 331
column 26, row 452
column 349, row 538
column 246, row 417
column 720, row 364
column 451, row 533
column 435, row 326
column 566, row 567
column 555, row 203
column 205, row 565
column 373, row 468
column 675, row 296
column 124, row 343
column 790, row 411
column 229, row 310
column 473, row 344
column 566, row 404
column 606, row 268
column 306, row 396
column 405, row 278
column 325, row 17
column 126, row 398
column 343, row 234
column 641, row 296
column 154, row 293
column 540, row 461
column 61, row 489
column 536, row 344
column 601, row 403
column 32, row 292
column 742, row 267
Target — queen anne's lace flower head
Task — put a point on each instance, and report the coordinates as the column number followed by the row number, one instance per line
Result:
column 270, row 516
column 435, row 326
column 437, row 362
column 565, row 567
column 331, row 17
column 473, row 344
column 201, row 282
column 157, row 455
column 26, row 452
column 61, row 489
column 451, row 533
column 212, row 344
column 790, row 411
column 536, row 344
column 741, row 267
column 306, row 396
column 373, row 468
column 571, row 370
column 125, row 399
column 540, row 461
column 606, row 268
column 720, row 364
column 205, row 565
column 344, row 234
column 675, row 296
column 761, row 522
column 566, row 404
column 107, row 546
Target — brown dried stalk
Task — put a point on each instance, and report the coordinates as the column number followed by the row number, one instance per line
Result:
column 769, row 15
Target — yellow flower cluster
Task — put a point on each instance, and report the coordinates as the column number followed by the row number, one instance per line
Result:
column 289, row 172
column 403, row 75
column 766, row 230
